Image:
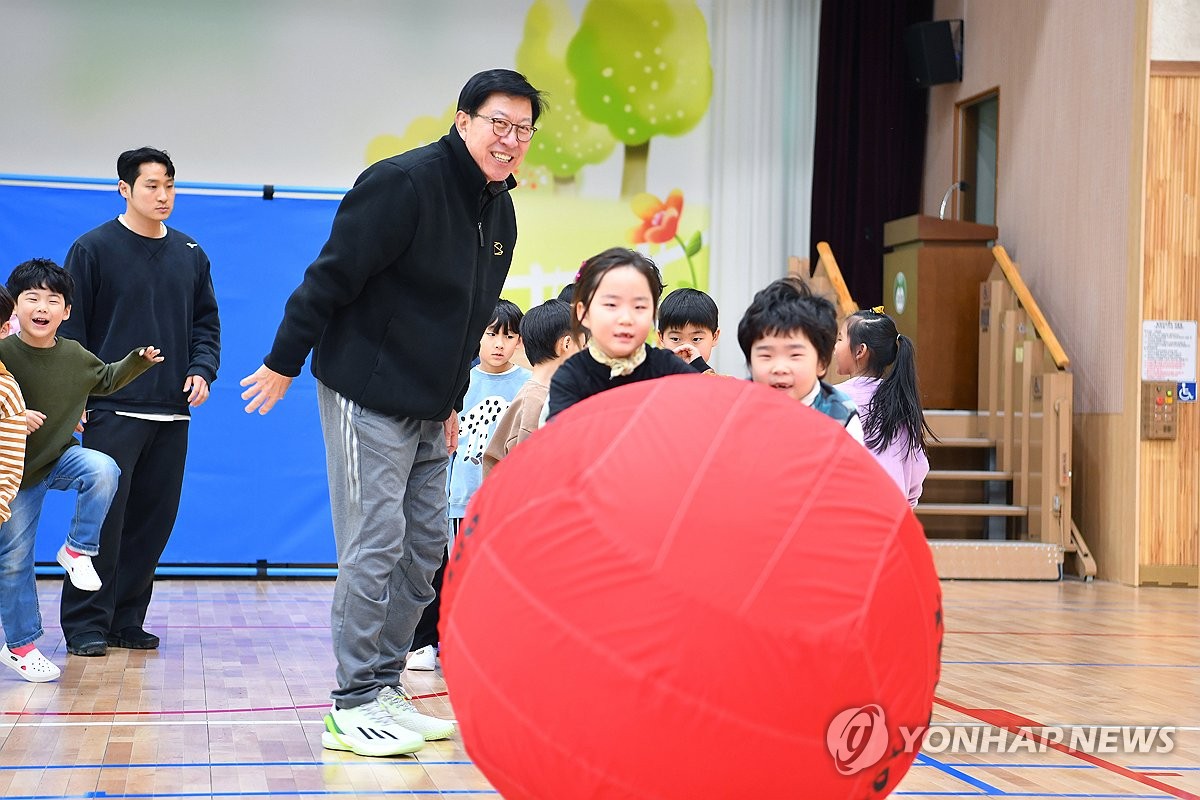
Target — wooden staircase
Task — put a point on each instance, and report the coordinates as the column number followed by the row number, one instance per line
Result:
column 964, row 481
column 997, row 501
column 969, row 511
column 1002, row 475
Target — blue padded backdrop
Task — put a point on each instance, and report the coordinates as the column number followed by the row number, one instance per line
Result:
column 255, row 485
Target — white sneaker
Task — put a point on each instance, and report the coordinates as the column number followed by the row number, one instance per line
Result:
column 423, row 659
column 33, row 666
column 397, row 703
column 79, row 568
column 368, row 730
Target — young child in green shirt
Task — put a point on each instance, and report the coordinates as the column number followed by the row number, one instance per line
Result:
column 56, row 377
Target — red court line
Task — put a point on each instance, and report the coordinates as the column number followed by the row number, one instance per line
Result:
column 182, row 711
column 999, row 718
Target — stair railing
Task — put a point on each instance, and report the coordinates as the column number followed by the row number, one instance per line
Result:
column 1025, row 406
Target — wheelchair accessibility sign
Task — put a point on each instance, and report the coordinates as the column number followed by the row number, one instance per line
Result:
column 1186, row 392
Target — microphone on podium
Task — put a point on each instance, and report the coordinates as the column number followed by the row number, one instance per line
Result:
column 961, row 186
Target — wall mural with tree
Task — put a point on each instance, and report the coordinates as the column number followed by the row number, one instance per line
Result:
column 568, row 140
column 642, row 68
column 624, row 72
column 307, row 93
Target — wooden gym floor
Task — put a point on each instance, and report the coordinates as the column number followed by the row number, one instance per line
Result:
column 231, row 704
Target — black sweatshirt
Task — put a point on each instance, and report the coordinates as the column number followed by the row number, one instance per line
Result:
column 395, row 304
column 131, row 291
column 582, row 376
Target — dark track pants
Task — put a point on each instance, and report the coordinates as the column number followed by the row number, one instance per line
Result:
column 151, row 456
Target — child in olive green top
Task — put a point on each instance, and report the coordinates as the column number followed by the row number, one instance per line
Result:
column 56, row 376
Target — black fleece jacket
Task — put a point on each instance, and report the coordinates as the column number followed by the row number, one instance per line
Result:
column 395, row 304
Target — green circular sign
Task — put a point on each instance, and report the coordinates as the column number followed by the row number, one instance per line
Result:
column 899, row 292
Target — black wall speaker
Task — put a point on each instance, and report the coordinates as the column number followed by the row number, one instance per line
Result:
column 935, row 51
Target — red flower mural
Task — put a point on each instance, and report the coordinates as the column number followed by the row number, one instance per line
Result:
column 660, row 224
column 659, row 219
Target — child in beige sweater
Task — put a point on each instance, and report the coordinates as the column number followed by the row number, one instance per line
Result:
column 546, row 332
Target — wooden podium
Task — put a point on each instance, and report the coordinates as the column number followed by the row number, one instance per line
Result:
column 932, row 269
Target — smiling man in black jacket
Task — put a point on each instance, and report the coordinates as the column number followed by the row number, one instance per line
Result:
column 392, row 309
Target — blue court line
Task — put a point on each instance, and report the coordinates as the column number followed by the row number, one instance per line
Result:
column 964, row 765
column 985, row 791
column 984, row 788
column 1066, row 664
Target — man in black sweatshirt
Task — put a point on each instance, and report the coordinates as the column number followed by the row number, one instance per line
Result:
column 137, row 281
column 392, row 310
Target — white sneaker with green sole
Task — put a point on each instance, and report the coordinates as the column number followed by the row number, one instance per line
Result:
column 368, row 730
column 399, row 705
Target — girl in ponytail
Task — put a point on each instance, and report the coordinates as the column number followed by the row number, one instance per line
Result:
column 882, row 367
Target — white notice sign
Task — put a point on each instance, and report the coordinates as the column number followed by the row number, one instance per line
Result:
column 1169, row 350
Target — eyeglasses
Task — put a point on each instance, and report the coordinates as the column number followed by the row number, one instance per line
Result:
column 501, row 127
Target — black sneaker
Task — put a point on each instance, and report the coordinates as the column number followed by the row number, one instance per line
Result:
column 87, row 644
column 133, row 638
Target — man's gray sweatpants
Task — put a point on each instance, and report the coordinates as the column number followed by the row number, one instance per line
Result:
column 387, row 492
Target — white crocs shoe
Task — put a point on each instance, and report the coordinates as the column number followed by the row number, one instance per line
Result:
column 397, row 703
column 79, row 568
column 368, row 730
column 33, row 666
column 423, row 659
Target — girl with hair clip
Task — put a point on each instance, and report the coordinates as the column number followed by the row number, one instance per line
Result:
column 882, row 367
column 614, row 306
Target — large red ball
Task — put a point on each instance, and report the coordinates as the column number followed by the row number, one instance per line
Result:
column 681, row 588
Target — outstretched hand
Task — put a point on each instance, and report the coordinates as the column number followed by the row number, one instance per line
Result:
column 152, row 354
column 267, row 387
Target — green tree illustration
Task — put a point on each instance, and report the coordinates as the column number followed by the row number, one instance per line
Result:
column 422, row 130
column 566, row 141
column 642, row 68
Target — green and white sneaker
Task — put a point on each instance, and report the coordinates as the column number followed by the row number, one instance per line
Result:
column 368, row 730
column 399, row 705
